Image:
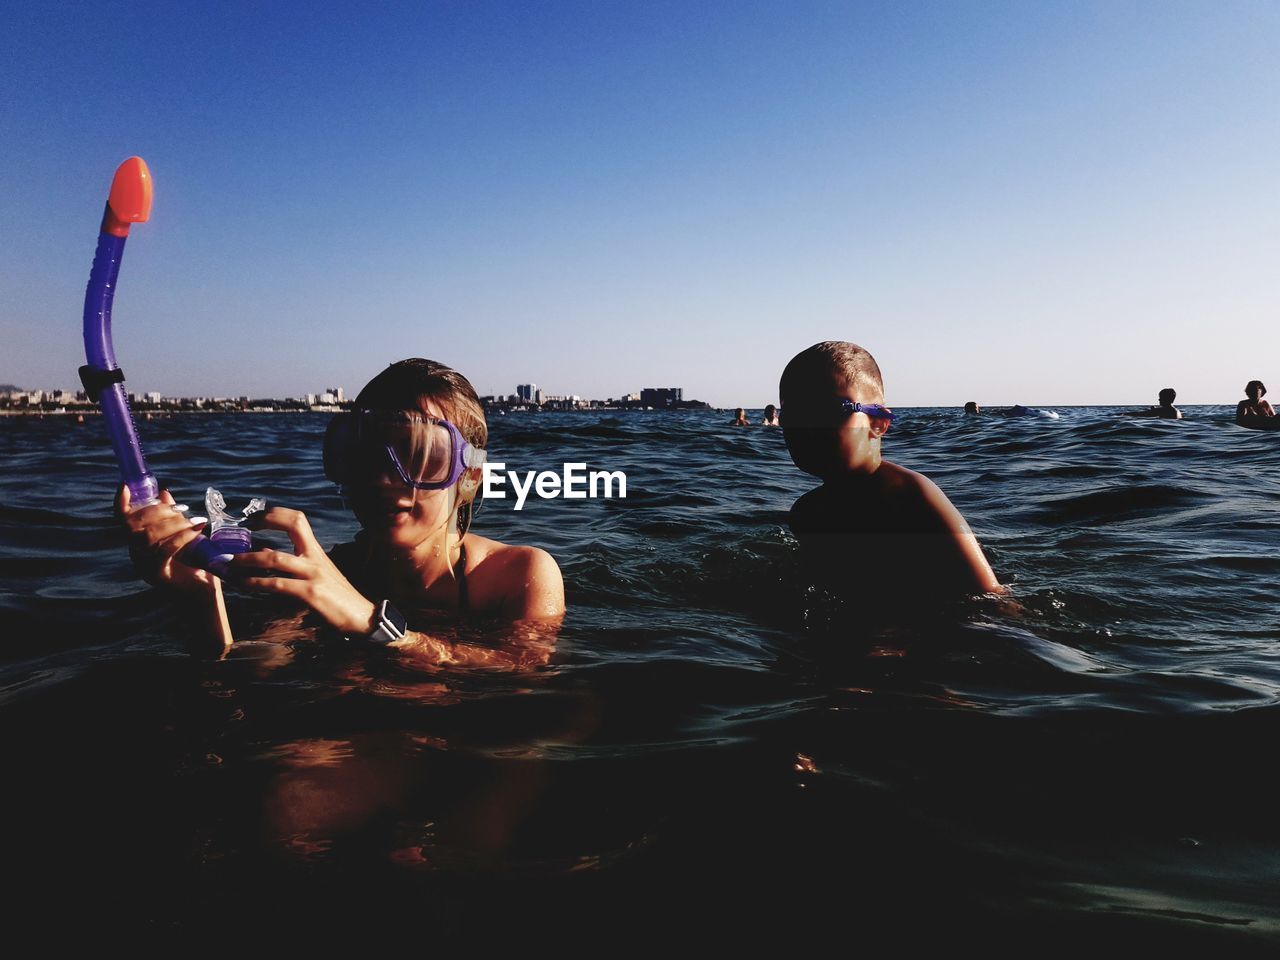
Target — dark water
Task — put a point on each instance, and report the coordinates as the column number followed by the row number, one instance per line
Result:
column 712, row 744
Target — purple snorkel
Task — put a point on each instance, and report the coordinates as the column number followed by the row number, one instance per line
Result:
column 130, row 202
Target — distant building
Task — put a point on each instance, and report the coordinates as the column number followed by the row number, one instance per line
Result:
column 566, row 402
column 152, row 397
column 338, row 396
column 527, row 392
column 662, row 397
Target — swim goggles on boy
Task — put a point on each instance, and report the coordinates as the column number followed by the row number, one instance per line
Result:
column 877, row 410
column 426, row 453
column 830, row 413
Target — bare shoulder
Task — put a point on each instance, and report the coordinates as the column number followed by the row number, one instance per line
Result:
column 938, row 512
column 923, row 493
column 902, row 482
column 495, row 555
column 524, row 582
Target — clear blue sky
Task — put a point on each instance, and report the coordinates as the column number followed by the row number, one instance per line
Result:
column 1042, row 203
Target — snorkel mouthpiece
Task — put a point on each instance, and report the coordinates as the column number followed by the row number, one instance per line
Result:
column 227, row 535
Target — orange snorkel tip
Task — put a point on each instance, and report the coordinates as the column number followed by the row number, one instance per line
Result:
column 130, row 197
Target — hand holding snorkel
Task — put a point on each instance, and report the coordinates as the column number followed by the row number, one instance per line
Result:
column 130, row 202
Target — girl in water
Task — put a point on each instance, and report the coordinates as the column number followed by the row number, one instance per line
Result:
column 1248, row 411
column 408, row 458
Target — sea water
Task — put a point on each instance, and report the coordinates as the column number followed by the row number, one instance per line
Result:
column 712, row 740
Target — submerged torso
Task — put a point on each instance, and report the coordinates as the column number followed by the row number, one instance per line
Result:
column 876, row 536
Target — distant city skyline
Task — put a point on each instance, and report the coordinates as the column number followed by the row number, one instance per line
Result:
column 1048, row 204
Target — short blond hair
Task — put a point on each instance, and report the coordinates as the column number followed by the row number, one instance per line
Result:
column 855, row 364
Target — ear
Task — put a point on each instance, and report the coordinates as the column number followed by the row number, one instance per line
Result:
column 879, row 427
column 470, row 479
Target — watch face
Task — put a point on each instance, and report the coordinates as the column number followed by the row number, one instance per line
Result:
column 394, row 617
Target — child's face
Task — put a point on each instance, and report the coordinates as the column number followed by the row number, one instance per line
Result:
column 396, row 515
column 824, row 440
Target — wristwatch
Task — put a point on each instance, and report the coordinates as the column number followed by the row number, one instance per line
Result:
column 389, row 624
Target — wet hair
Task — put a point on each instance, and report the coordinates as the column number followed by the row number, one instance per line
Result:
column 1262, row 387
column 408, row 384
column 855, row 365
column 971, row 407
column 740, row 412
column 1168, row 395
column 770, row 410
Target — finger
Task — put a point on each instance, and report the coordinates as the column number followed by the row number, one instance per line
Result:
column 166, row 499
column 171, row 546
column 296, row 525
column 280, row 585
column 270, row 560
column 124, row 500
column 155, row 529
column 159, row 521
column 155, row 560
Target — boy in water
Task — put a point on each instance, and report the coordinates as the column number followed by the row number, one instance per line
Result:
column 872, row 523
column 1166, row 410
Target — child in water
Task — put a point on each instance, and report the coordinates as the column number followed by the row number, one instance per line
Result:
column 1165, row 411
column 1249, row 411
column 872, row 523
column 770, row 417
column 409, row 459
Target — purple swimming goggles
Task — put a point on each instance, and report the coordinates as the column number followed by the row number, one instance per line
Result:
column 830, row 413
column 426, row 453
column 877, row 411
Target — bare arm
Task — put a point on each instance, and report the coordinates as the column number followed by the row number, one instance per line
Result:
column 309, row 575
column 530, row 644
column 529, row 581
column 970, row 559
